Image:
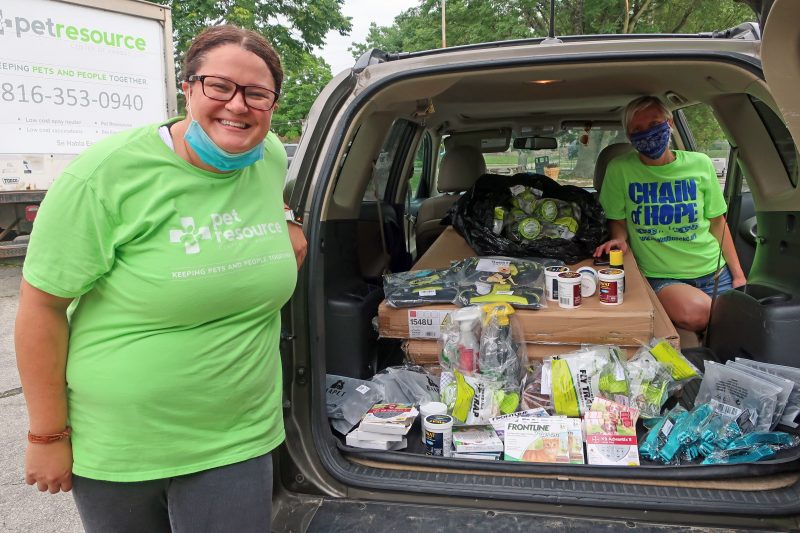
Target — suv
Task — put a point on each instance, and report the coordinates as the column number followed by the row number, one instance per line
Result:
column 370, row 158
column 290, row 150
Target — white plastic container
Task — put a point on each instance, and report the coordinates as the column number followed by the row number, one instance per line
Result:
column 569, row 290
column 589, row 281
column 612, row 282
column 438, row 433
column 551, row 281
column 468, row 319
column 430, row 408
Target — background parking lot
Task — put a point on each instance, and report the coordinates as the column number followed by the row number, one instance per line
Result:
column 22, row 508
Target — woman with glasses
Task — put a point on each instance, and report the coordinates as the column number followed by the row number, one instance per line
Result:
column 147, row 336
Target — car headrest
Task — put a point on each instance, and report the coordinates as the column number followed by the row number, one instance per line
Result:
column 461, row 168
column 604, row 158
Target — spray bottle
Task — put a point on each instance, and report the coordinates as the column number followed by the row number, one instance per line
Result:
column 468, row 319
column 496, row 344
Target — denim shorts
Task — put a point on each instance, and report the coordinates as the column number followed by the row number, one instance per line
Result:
column 704, row 283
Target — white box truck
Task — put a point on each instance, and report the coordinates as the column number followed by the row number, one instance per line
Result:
column 72, row 72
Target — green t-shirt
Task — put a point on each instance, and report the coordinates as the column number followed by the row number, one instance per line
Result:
column 667, row 210
column 180, row 275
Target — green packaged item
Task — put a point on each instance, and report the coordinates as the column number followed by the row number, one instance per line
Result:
column 526, row 201
column 526, row 229
column 680, row 368
column 547, row 209
column 649, row 382
column 516, row 215
column 570, row 225
column 499, row 218
column 565, row 397
column 613, row 381
column 575, row 379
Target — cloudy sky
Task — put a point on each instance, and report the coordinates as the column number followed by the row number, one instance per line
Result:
column 381, row 12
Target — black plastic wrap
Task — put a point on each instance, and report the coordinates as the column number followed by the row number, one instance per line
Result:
column 473, row 216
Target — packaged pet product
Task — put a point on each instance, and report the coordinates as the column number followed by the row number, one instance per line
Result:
column 544, row 440
column 575, row 379
column 610, row 432
column 741, row 393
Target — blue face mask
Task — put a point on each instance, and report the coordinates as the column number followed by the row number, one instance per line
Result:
column 213, row 155
column 652, row 143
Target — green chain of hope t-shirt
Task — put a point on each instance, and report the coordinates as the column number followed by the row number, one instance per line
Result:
column 667, row 209
column 179, row 276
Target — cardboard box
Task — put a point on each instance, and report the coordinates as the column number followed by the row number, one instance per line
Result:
column 426, row 352
column 624, row 325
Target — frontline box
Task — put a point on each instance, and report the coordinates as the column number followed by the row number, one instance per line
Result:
column 544, row 440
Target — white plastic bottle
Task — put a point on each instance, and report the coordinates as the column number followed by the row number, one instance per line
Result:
column 467, row 319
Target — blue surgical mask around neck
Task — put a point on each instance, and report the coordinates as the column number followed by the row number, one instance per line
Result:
column 654, row 142
column 212, row 155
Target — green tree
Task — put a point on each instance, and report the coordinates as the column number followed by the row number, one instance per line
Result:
column 300, row 88
column 293, row 27
column 475, row 21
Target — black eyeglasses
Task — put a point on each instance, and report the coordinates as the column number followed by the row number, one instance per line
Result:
column 223, row 90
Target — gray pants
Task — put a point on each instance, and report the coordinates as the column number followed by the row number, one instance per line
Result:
column 236, row 497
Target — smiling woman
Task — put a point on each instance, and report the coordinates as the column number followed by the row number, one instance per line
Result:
column 168, row 371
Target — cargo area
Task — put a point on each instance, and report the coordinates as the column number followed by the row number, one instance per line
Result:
column 551, row 331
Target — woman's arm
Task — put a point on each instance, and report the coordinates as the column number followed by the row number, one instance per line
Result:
column 719, row 228
column 299, row 244
column 618, row 240
column 41, row 335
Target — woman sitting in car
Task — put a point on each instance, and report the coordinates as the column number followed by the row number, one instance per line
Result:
column 668, row 207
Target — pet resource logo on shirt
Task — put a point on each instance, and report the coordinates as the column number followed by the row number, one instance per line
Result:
column 224, row 227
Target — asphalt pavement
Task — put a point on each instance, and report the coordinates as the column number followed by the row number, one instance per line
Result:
column 22, row 507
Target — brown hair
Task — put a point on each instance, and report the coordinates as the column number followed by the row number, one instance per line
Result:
column 215, row 36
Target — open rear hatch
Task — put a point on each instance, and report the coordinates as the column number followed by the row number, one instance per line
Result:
column 342, row 340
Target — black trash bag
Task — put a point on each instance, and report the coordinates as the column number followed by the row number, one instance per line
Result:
column 473, row 215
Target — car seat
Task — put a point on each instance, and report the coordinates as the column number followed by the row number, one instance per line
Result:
column 604, row 158
column 461, row 167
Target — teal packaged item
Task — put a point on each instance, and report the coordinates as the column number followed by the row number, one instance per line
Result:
column 685, row 434
column 660, row 429
column 772, row 438
column 739, row 455
column 717, row 434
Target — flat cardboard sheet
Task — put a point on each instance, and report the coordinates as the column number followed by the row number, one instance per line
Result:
column 629, row 324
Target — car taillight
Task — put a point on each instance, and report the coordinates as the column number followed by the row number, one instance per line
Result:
column 30, row 212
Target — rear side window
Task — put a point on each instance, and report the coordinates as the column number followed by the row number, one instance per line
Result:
column 389, row 158
column 420, row 179
column 572, row 162
column 708, row 137
column 780, row 137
